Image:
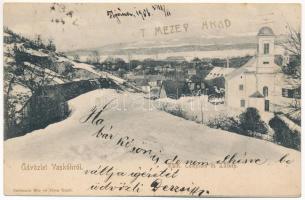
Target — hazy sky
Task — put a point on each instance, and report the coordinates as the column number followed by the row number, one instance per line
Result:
column 89, row 26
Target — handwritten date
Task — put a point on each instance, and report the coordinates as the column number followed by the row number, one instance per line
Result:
column 142, row 13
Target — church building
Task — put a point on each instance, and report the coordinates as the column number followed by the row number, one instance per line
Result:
column 253, row 84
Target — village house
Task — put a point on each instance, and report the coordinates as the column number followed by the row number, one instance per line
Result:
column 142, row 84
column 139, row 70
column 259, row 83
column 146, row 82
column 155, row 80
column 191, row 71
column 217, row 72
column 158, row 68
column 174, row 89
column 196, row 85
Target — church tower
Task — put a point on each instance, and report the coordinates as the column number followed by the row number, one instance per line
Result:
column 265, row 50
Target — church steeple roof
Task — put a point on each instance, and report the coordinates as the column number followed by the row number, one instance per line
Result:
column 265, row 31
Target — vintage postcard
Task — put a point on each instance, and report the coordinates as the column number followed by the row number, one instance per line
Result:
column 134, row 99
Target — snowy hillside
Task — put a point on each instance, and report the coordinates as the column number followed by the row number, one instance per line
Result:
column 129, row 114
column 39, row 55
column 30, row 64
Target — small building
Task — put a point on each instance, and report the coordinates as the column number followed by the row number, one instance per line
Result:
column 289, row 87
column 139, row 70
column 191, row 71
column 154, row 83
column 217, row 72
column 174, row 89
column 158, row 68
column 142, row 84
column 155, row 80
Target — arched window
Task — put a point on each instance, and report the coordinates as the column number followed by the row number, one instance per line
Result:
column 265, row 91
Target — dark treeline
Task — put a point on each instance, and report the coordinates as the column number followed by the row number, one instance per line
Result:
column 153, row 66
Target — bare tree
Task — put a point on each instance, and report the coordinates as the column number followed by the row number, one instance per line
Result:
column 293, row 42
column 293, row 46
column 25, row 74
column 95, row 57
column 51, row 46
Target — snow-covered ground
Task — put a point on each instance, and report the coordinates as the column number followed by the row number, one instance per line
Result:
column 199, row 109
column 92, row 69
column 195, row 105
column 131, row 115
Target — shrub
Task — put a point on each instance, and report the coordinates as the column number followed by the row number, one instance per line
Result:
column 283, row 135
column 177, row 112
column 174, row 110
column 250, row 121
column 224, row 123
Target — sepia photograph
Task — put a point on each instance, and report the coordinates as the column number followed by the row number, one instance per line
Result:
column 152, row 99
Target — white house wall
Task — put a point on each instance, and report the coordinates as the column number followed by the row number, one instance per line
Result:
column 258, row 103
column 234, row 95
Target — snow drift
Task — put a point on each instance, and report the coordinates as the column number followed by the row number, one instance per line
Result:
column 131, row 115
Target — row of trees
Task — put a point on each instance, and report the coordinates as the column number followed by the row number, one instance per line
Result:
column 36, row 43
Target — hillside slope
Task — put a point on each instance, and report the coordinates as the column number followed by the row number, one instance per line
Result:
column 30, row 64
column 129, row 114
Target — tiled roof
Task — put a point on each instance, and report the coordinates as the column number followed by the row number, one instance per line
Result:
column 217, row 72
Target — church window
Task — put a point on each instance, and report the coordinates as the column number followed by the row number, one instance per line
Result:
column 266, row 62
column 265, row 91
column 242, row 103
column 241, row 87
column 266, row 48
